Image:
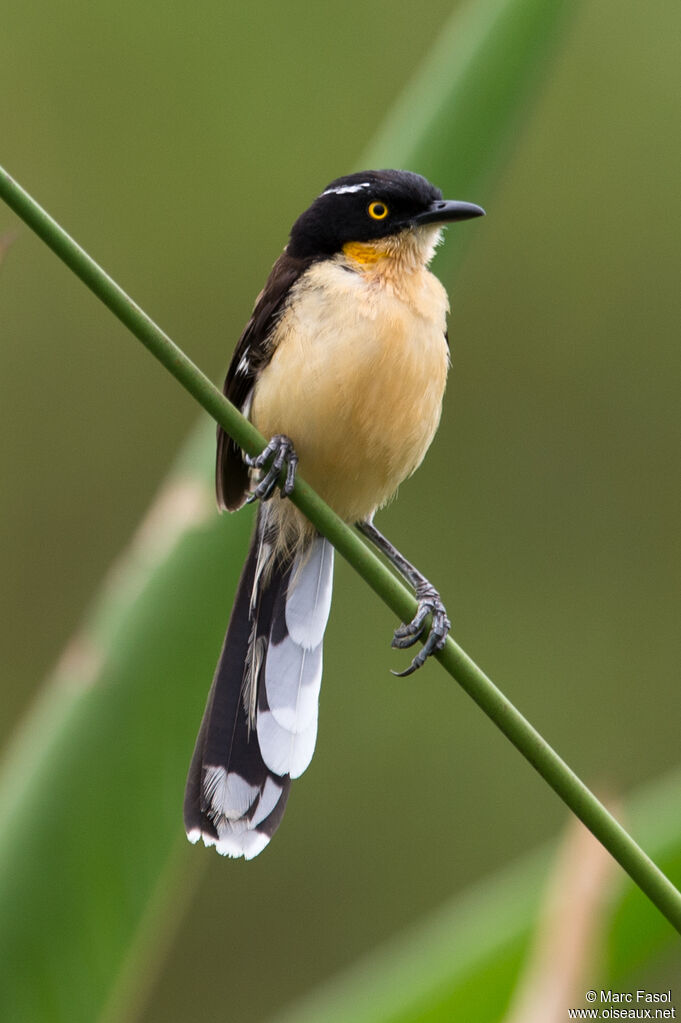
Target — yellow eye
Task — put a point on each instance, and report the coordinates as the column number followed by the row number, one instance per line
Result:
column 377, row 210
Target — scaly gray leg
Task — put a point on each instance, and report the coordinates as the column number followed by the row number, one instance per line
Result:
column 280, row 449
column 429, row 603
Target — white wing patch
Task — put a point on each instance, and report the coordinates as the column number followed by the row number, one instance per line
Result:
column 244, row 365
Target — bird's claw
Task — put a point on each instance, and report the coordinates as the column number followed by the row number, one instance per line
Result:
column 429, row 603
column 280, row 449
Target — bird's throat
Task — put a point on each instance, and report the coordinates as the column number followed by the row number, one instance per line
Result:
column 366, row 253
column 397, row 255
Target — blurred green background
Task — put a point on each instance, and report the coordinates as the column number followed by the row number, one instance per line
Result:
column 178, row 144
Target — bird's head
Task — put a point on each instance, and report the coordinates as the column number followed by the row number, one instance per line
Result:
column 376, row 212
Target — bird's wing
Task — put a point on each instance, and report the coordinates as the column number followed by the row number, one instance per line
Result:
column 252, row 354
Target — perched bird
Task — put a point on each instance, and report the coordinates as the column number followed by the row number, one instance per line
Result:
column 343, row 365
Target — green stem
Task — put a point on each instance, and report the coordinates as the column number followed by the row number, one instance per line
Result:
column 524, row 737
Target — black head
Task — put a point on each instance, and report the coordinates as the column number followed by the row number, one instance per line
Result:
column 369, row 205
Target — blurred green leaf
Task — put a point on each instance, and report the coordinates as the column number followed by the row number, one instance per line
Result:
column 459, row 117
column 464, row 961
column 91, row 844
column 93, row 863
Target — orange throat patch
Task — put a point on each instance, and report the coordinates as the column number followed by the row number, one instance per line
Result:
column 365, row 253
column 396, row 255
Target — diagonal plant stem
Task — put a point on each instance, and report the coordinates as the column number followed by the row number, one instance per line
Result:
column 574, row 793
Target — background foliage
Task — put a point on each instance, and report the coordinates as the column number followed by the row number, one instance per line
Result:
column 178, row 149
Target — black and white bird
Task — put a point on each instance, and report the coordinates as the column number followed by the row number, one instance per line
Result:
column 343, row 364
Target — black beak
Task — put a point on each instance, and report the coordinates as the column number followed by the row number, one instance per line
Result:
column 445, row 210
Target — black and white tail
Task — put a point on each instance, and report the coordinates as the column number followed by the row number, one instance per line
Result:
column 260, row 723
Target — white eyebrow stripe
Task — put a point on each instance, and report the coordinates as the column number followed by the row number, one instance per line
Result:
column 345, row 189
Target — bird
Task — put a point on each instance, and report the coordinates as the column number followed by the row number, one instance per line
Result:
column 343, row 366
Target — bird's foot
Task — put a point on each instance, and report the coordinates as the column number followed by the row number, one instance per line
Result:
column 282, row 454
column 429, row 603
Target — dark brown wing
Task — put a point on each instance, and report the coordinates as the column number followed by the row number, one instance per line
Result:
column 251, row 355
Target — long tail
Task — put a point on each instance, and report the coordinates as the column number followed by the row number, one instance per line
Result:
column 260, row 724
